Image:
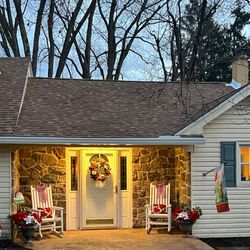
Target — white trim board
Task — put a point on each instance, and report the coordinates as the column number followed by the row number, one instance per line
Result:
column 161, row 140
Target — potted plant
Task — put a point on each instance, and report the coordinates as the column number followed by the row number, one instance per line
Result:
column 26, row 221
column 186, row 217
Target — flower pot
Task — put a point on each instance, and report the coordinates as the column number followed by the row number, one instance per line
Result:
column 28, row 231
column 186, row 227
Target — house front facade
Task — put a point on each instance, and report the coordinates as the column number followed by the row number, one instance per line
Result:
column 52, row 130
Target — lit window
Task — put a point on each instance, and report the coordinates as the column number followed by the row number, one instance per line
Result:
column 74, row 174
column 245, row 162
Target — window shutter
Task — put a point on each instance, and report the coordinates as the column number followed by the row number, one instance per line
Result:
column 228, row 156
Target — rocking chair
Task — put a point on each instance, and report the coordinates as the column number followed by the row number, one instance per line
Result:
column 158, row 212
column 42, row 204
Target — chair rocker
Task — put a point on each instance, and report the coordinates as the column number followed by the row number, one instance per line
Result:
column 54, row 220
column 158, row 212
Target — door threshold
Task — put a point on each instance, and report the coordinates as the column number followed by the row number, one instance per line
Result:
column 100, row 228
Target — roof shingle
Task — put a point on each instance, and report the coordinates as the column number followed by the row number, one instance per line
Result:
column 93, row 108
column 13, row 72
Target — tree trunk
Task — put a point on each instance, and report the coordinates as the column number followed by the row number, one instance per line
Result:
column 51, row 39
column 23, row 32
column 37, row 36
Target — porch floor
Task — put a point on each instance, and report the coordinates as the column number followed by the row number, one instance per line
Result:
column 118, row 239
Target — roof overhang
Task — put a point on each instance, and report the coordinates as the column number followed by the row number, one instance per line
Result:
column 162, row 140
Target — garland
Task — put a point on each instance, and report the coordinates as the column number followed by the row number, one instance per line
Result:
column 99, row 170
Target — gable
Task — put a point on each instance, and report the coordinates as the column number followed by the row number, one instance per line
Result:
column 234, row 121
column 236, row 104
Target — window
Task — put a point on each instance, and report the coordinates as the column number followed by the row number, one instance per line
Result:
column 123, row 173
column 245, row 162
column 74, row 173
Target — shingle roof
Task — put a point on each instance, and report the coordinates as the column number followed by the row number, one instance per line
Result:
column 13, row 73
column 92, row 108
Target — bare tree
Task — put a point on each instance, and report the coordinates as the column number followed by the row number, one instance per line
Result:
column 97, row 39
column 123, row 25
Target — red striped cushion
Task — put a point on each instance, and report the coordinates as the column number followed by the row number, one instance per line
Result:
column 159, row 209
column 45, row 212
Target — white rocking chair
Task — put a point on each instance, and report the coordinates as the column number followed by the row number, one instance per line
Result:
column 158, row 212
column 54, row 221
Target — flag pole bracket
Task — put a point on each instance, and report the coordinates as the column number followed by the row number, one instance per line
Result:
column 206, row 173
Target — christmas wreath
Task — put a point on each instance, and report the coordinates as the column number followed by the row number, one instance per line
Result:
column 99, row 169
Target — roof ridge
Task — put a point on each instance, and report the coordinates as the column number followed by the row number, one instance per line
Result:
column 15, row 58
column 128, row 81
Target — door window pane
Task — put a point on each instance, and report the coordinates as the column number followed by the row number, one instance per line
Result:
column 74, row 173
column 123, row 173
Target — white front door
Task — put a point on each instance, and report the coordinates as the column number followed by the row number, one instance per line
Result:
column 99, row 203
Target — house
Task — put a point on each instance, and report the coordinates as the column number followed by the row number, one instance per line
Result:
column 51, row 130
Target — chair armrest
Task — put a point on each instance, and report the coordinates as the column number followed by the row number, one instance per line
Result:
column 36, row 210
column 57, row 208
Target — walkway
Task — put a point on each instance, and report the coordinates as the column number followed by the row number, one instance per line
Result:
column 131, row 239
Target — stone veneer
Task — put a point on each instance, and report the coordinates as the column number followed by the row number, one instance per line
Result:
column 170, row 165
column 40, row 164
column 33, row 165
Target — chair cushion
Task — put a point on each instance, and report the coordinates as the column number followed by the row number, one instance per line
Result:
column 159, row 209
column 45, row 212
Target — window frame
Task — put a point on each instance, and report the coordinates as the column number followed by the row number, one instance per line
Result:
column 239, row 182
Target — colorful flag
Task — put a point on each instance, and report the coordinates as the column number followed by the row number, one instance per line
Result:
column 221, row 199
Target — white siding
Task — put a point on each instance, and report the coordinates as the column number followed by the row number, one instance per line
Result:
column 230, row 126
column 5, row 193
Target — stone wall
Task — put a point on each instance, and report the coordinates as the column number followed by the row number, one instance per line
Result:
column 36, row 165
column 170, row 165
column 183, row 176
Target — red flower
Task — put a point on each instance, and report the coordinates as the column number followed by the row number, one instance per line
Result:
column 19, row 216
column 192, row 214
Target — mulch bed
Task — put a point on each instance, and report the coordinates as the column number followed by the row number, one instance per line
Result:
column 228, row 242
column 7, row 244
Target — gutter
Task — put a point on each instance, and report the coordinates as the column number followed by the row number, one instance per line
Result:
column 162, row 140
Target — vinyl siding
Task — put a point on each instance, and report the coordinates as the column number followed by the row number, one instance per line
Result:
column 5, row 191
column 230, row 126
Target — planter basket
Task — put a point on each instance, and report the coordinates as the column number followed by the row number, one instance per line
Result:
column 28, row 232
column 186, row 227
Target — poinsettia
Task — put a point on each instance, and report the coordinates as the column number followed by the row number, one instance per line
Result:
column 186, row 213
column 24, row 217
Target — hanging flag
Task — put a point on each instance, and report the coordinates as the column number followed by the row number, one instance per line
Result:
column 221, row 199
